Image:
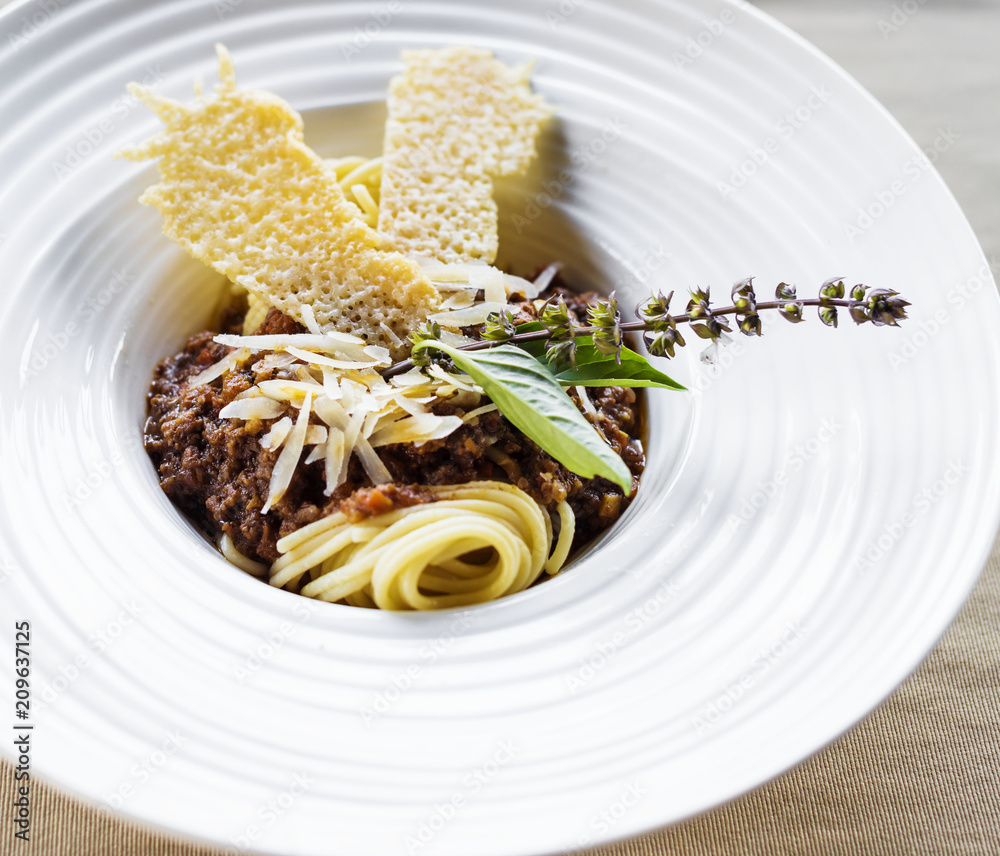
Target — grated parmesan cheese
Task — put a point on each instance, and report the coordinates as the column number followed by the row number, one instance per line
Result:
column 316, row 435
column 288, row 460
column 218, row 369
column 479, row 411
column 325, row 343
column 320, row 360
column 286, row 390
column 252, row 408
column 335, row 454
column 374, row 468
column 475, row 314
column 416, row 429
column 544, row 280
column 585, row 402
column 276, row 436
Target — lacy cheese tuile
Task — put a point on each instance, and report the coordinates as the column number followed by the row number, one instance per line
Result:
column 241, row 191
column 458, row 118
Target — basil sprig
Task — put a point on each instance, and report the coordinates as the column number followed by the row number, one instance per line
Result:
column 533, row 400
column 596, row 369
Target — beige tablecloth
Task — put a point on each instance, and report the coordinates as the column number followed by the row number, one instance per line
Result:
column 920, row 776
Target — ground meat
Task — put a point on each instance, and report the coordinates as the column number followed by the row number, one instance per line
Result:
column 216, row 471
column 370, row 501
column 277, row 323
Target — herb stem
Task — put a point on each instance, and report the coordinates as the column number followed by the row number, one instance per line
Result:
column 630, row 326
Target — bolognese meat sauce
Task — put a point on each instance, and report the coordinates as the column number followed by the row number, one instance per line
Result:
column 218, row 473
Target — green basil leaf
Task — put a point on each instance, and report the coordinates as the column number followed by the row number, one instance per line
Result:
column 525, row 391
column 596, row 369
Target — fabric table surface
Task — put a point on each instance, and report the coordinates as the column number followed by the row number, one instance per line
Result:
column 921, row 775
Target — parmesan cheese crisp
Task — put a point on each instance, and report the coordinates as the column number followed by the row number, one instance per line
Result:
column 458, row 118
column 241, row 191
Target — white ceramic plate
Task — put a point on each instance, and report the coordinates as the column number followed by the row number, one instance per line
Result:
column 812, row 517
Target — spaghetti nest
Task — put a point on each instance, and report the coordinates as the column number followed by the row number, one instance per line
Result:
column 474, row 543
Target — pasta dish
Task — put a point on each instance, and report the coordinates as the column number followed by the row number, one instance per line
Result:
column 282, row 434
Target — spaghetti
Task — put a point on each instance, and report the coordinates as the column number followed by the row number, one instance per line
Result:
column 474, row 543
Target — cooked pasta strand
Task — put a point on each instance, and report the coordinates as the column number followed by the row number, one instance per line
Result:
column 423, row 557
